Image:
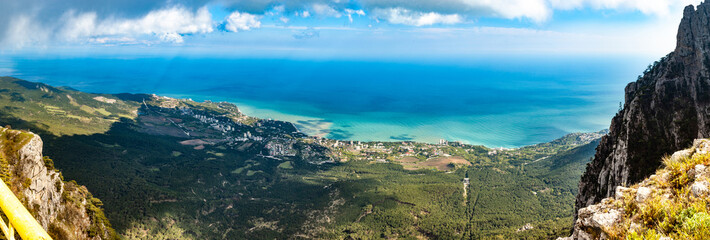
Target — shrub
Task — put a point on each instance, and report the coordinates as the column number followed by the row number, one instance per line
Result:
column 697, row 227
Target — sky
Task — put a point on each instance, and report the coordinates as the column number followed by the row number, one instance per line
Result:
column 340, row 29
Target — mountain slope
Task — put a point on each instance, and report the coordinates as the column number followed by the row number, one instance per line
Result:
column 664, row 110
column 65, row 209
column 62, row 111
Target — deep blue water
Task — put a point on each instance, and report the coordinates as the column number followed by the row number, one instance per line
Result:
column 492, row 101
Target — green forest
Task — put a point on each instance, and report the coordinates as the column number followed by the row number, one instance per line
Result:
column 134, row 155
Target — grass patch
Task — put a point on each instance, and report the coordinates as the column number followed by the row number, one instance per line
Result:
column 286, row 165
column 218, row 154
column 92, row 110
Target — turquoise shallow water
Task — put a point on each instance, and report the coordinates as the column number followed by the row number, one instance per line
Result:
column 492, row 101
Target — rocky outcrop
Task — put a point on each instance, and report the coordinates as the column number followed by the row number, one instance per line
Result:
column 670, row 204
column 65, row 209
column 664, row 110
column 44, row 193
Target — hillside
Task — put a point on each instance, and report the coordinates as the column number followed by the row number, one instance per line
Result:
column 61, row 111
column 180, row 169
column 65, row 209
column 670, row 204
column 664, row 110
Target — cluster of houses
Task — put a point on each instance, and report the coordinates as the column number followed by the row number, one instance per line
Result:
column 495, row 151
column 378, row 151
column 281, row 147
column 223, row 126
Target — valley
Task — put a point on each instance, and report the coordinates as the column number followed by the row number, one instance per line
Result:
column 176, row 168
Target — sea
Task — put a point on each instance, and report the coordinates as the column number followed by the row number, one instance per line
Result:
column 496, row 101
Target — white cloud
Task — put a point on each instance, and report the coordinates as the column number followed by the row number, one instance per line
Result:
column 535, row 10
column 538, row 11
column 113, row 40
column 279, row 9
column 171, row 37
column 175, row 20
column 78, row 26
column 36, row 23
column 408, row 17
column 167, row 24
column 242, row 21
column 351, row 12
column 655, row 7
column 325, row 10
column 24, row 31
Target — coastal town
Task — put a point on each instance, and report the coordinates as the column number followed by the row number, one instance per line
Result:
column 283, row 141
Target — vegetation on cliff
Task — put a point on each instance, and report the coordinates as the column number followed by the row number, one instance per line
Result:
column 65, row 209
column 673, row 203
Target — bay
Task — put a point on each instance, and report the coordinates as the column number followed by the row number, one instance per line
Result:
column 492, row 101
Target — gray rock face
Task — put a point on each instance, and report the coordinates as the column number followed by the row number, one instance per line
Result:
column 596, row 220
column 65, row 209
column 664, row 110
column 44, row 193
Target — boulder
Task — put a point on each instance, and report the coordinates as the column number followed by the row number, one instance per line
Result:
column 619, row 193
column 699, row 188
column 642, row 194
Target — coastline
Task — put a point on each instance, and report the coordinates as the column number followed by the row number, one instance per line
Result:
column 324, row 128
column 481, row 104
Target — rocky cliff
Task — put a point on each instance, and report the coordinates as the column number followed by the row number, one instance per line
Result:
column 66, row 210
column 670, row 204
column 665, row 109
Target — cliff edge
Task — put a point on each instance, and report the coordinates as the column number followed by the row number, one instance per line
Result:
column 670, row 204
column 65, row 209
column 665, row 110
